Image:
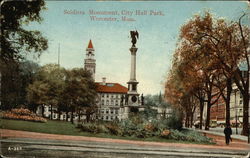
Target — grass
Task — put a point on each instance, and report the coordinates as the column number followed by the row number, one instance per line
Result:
column 66, row 128
column 52, row 127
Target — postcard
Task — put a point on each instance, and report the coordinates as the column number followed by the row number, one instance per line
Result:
column 105, row 78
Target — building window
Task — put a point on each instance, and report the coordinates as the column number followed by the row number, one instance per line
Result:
column 103, row 95
column 116, row 111
column 107, row 118
column 244, row 74
column 133, row 87
column 240, row 101
column 116, row 102
column 112, row 102
column 107, row 103
column 107, row 111
column 111, row 111
column 102, row 111
column 111, row 118
column 102, row 102
column 112, row 96
column 107, row 95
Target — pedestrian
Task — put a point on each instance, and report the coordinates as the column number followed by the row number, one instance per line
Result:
column 228, row 133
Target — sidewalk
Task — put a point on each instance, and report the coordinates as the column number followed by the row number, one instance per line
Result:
column 234, row 136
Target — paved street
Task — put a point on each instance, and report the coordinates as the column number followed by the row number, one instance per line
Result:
column 30, row 144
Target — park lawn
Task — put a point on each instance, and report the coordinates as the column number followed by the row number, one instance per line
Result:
column 51, row 127
column 67, row 128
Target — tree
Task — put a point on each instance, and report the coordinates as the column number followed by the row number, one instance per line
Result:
column 16, row 79
column 241, row 80
column 79, row 92
column 47, row 87
column 36, row 94
column 226, row 44
column 16, row 42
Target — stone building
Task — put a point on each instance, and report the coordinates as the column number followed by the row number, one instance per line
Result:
column 109, row 100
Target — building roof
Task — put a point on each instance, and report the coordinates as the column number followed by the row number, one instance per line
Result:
column 110, row 88
column 90, row 44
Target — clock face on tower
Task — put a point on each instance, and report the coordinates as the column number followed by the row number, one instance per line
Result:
column 134, row 99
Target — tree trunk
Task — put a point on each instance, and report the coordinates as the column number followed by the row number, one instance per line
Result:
column 208, row 116
column 79, row 116
column 191, row 120
column 42, row 110
column 71, row 119
column 201, row 112
column 51, row 112
column 187, row 120
column 87, row 117
column 227, row 100
column 244, row 89
column 59, row 115
column 245, row 130
column 67, row 116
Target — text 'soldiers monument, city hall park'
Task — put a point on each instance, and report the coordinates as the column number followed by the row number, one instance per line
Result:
column 132, row 101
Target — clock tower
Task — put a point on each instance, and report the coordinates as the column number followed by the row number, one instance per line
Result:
column 90, row 62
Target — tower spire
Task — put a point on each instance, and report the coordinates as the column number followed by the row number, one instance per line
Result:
column 90, row 46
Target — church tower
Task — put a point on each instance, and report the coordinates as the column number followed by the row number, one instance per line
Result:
column 89, row 62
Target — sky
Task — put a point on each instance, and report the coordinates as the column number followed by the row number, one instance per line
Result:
column 69, row 24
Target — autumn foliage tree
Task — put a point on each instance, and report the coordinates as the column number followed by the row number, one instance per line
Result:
column 208, row 54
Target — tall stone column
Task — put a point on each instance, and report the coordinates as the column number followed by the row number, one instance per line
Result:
column 132, row 101
column 132, row 83
column 133, row 51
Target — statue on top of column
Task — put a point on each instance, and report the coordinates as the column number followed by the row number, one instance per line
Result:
column 134, row 35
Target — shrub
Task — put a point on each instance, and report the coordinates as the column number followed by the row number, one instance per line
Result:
column 150, row 127
column 93, row 128
column 139, row 130
column 22, row 114
column 127, row 127
column 22, row 111
column 188, row 135
column 113, row 128
column 165, row 133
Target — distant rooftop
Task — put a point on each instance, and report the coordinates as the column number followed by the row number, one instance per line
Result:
column 110, row 88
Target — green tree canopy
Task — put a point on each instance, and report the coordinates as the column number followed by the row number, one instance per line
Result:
column 15, row 40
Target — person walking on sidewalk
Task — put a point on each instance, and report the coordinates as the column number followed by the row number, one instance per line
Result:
column 228, row 133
